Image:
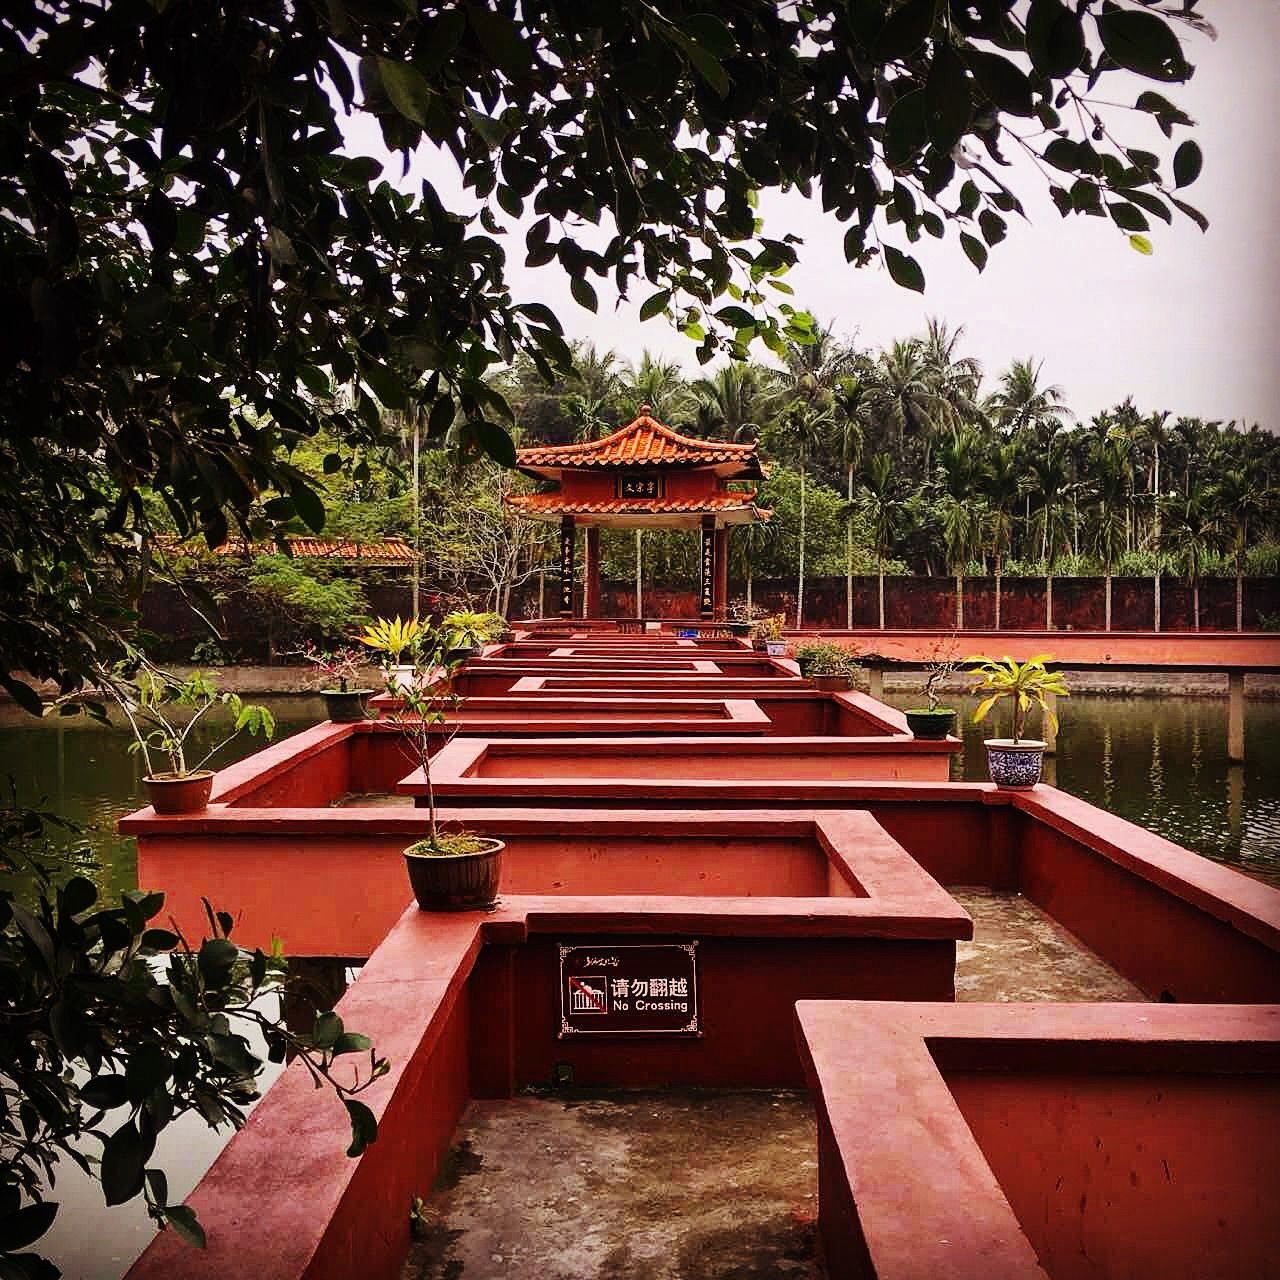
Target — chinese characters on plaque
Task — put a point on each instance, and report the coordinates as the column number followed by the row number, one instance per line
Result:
column 638, row 486
column 629, row 989
column 567, row 532
column 707, row 602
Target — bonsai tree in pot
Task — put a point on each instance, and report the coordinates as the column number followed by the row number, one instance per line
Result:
column 766, row 635
column 743, row 615
column 827, row 664
column 1014, row 763
column 163, row 711
column 334, row 673
column 449, row 870
column 935, row 722
column 394, row 641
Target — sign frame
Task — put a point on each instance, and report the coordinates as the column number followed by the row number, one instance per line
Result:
column 691, row 1029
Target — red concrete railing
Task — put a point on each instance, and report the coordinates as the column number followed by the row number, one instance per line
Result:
column 1085, row 1139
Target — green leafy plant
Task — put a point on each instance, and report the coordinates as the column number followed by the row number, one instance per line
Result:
column 825, row 658
column 1024, row 685
column 463, row 629
column 150, row 699
column 113, row 1027
column 769, row 628
column 393, row 639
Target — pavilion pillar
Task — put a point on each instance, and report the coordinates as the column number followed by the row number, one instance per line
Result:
column 591, row 571
column 707, row 574
column 568, row 536
column 720, row 593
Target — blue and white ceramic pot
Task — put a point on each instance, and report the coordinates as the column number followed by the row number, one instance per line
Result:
column 1015, row 766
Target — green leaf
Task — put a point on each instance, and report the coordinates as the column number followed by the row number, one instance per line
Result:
column 1186, row 164
column 1127, row 217
column 407, row 88
column 711, row 33
column 26, row 1225
column 904, row 269
column 1141, row 42
column 386, row 383
column 655, row 303
column 974, row 249
column 906, row 129
column 351, row 1042
column 1055, row 38
column 905, row 30
column 124, row 1158
column 583, row 294
column 496, row 443
column 706, row 64
column 78, row 894
column 1191, row 211
column 1005, row 86
column 309, row 504
column 946, row 98
column 23, row 694
column 992, row 226
column 738, row 317
column 215, row 960
column 105, row 1092
column 364, row 1126
column 184, row 1221
column 1141, row 244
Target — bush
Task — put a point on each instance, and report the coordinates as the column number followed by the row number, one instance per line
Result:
column 302, row 602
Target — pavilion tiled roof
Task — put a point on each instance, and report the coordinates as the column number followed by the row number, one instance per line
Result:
column 383, row 551
column 555, row 504
column 642, row 443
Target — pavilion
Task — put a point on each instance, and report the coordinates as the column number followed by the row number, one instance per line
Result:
column 643, row 476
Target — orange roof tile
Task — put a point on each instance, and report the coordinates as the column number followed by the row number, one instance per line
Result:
column 644, row 442
column 554, row 504
column 384, row 551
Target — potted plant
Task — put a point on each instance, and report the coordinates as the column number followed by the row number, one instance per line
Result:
column 766, row 635
column 743, row 614
column 832, row 668
column 497, row 629
column 934, row 722
column 449, row 870
column 333, row 673
column 465, row 634
column 1014, row 763
column 394, row 641
column 150, row 699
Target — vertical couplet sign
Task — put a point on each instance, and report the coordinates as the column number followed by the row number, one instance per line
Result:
column 641, row 989
column 567, row 538
column 707, row 600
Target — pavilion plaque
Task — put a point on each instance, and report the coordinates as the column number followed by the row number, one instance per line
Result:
column 631, row 485
column 630, row 989
column 707, row 601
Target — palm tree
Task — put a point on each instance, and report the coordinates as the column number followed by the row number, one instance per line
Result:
column 953, row 380
column 852, row 406
column 884, row 512
column 734, row 400
column 586, row 414
column 595, row 373
column 960, row 469
column 1154, row 432
column 804, row 424
column 660, row 384
column 1240, row 502
column 1002, row 478
column 1050, row 481
column 901, row 394
column 1022, row 403
column 1190, row 533
column 1112, row 479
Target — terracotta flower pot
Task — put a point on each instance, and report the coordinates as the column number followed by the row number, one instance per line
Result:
column 179, row 792
column 345, row 706
column 1014, row 766
column 832, row 684
column 456, row 882
column 933, row 725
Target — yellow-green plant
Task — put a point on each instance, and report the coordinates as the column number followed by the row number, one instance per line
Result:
column 1025, row 685
column 769, row 628
column 392, row 638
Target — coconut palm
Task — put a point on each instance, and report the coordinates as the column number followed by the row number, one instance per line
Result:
column 901, row 393
column 1109, row 509
column 852, row 407
column 1190, row 534
column 1002, row 484
column 961, row 508
column 1049, row 479
column 735, row 400
column 586, row 414
column 884, row 511
column 953, row 380
column 1155, row 432
column 805, row 425
column 1239, row 503
column 661, row 385
column 1022, row 403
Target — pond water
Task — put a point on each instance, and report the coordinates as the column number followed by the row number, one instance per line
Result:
column 1160, row 762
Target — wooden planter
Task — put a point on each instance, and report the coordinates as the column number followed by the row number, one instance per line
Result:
column 456, row 882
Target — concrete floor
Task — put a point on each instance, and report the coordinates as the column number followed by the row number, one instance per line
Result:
column 1019, row 953
column 681, row 1185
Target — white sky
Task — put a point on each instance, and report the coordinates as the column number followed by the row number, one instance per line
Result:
column 1191, row 329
